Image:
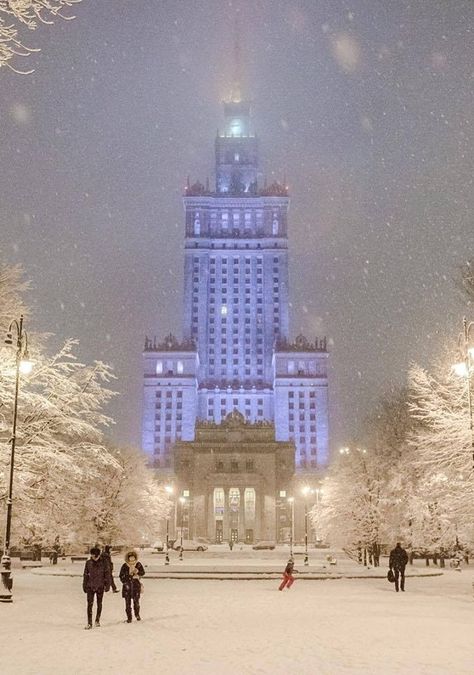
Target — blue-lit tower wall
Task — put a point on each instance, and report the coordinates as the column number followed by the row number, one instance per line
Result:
column 237, row 353
column 236, row 277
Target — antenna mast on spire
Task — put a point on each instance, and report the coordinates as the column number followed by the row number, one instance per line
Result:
column 236, row 91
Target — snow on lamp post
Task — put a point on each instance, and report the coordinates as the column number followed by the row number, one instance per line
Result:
column 318, row 491
column 18, row 338
column 169, row 492
column 306, row 490
column 465, row 368
column 182, row 501
column 291, row 501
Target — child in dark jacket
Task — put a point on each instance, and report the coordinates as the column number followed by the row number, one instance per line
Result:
column 95, row 581
column 288, row 577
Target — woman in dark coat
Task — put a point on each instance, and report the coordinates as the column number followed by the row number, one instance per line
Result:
column 130, row 574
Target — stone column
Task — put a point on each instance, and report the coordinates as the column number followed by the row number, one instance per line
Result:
column 242, row 515
column 226, row 532
column 211, row 527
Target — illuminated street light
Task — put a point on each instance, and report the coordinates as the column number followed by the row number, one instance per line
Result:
column 169, row 490
column 18, row 338
column 291, row 500
column 466, row 369
column 318, row 491
column 182, row 501
column 306, row 491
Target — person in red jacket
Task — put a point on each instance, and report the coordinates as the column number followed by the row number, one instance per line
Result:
column 288, row 577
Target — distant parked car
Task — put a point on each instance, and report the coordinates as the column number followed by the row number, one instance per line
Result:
column 203, row 540
column 262, row 545
column 158, row 546
column 190, row 545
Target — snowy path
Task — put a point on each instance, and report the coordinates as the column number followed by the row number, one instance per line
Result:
column 225, row 627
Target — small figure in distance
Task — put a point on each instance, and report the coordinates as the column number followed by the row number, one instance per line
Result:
column 107, row 555
column 130, row 574
column 397, row 563
column 288, row 577
column 95, row 581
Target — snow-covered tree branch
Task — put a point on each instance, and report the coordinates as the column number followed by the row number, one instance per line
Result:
column 27, row 14
column 68, row 482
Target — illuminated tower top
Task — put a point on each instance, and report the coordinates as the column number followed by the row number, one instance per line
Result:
column 236, row 147
column 236, row 152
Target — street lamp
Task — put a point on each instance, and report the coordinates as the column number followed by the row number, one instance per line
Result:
column 318, row 491
column 17, row 337
column 182, row 502
column 291, row 500
column 169, row 491
column 465, row 369
column 306, row 490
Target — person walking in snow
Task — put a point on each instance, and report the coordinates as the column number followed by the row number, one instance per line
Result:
column 107, row 556
column 130, row 574
column 288, row 577
column 95, row 581
column 397, row 563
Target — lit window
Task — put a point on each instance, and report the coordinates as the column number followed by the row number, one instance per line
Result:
column 224, row 310
column 159, row 367
column 179, row 367
column 197, row 224
column 235, row 127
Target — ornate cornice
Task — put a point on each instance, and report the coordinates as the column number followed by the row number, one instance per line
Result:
column 302, row 344
column 169, row 344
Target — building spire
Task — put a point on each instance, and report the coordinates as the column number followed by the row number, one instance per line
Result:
column 236, row 91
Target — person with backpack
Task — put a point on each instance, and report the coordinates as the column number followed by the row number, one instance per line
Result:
column 95, row 581
column 397, row 562
column 288, row 577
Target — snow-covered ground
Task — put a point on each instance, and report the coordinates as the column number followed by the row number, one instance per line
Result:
column 239, row 627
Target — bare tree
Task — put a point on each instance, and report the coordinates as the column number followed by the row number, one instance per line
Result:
column 16, row 15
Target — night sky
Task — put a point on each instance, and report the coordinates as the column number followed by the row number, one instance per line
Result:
column 366, row 106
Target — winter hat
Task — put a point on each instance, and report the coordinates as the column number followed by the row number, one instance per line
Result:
column 130, row 554
column 95, row 550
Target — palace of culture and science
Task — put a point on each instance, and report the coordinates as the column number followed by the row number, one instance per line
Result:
column 235, row 413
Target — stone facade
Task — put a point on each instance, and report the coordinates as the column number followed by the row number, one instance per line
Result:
column 235, row 478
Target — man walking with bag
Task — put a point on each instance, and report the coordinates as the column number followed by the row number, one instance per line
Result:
column 397, row 563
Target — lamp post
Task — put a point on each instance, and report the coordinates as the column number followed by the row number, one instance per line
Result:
column 182, row 501
column 465, row 369
column 306, row 490
column 318, row 491
column 291, row 501
column 17, row 337
column 169, row 491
